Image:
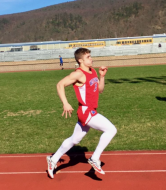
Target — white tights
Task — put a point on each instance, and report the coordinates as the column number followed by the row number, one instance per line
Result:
column 98, row 122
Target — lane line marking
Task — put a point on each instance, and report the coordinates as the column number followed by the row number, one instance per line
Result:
column 75, row 172
column 104, row 154
column 133, row 154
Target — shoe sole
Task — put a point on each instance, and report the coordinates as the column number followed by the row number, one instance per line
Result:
column 95, row 168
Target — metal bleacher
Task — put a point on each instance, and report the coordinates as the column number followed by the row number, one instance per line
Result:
column 69, row 53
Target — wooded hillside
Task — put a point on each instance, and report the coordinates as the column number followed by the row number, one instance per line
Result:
column 85, row 19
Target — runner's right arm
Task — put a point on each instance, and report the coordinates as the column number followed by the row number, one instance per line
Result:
column 68, row 80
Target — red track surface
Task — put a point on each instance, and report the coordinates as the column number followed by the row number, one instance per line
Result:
column 131, row 170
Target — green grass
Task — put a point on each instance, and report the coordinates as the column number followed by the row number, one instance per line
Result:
column 134, row 100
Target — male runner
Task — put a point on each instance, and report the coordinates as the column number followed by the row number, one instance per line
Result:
column 87, row 87
column 61, row 62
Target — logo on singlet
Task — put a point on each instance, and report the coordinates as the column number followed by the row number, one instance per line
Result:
column 94, row 81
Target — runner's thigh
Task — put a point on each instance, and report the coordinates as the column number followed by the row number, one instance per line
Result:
column 101, row 123
column 79, row 132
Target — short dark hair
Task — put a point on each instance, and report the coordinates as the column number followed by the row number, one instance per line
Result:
column 79, row 52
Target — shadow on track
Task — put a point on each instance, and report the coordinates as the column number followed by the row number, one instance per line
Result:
column 77, row 155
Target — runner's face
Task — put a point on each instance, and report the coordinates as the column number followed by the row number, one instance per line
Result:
column 87, row 60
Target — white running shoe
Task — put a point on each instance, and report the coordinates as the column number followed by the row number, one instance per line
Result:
column 51, row 166
column 96, row 164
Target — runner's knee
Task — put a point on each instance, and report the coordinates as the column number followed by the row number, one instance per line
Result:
column 76, row 140
column 114, row 130
column 111, row 130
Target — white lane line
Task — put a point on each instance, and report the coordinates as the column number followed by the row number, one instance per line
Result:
column 137, row 171
column 133, row 154
column 16, row 173
column 104, row 154
column 75, row 172
column 23, row 156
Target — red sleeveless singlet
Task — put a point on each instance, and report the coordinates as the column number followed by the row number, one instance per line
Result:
column 87, row 96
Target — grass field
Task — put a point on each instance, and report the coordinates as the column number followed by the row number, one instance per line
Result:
column 134, row 100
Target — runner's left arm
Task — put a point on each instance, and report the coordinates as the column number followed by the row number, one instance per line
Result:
column 102, row 72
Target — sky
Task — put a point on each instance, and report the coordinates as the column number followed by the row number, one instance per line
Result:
column 18, row 6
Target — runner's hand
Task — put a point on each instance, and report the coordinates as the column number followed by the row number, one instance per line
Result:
column 67, row 109
column 102, row 71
